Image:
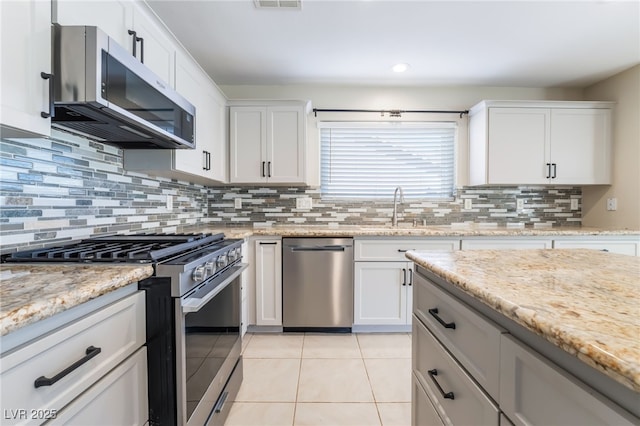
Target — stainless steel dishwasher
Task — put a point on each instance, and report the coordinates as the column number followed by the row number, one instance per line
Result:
column 317, row 284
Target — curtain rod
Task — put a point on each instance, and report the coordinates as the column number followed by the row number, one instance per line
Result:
column 391, row 112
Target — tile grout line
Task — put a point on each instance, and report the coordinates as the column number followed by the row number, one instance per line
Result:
column 295, row 403
column 369, row 380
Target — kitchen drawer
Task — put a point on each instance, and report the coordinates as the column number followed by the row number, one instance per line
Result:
column 475, row 341
column 466, row 403
column 395, row 249
column 533, row 391
column 125, row 387
column 422, row 411
column 118, row 330
column 614, row 246
column 506, row 243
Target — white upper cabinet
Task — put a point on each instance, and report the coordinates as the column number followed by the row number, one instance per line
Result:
column 155, row 46
column 268, row 142
column 540, row 142
column 209, row 159
column 130, row 24
column 114, row 17
column 207, row 163
column 26, row 54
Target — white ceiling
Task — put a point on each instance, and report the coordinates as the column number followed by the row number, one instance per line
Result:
column 480, row 43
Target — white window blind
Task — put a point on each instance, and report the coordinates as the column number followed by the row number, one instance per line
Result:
column 369, row 160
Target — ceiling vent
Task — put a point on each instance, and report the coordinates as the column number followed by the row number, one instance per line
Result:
column 278, row 4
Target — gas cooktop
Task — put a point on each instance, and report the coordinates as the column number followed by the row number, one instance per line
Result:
column 141, row 248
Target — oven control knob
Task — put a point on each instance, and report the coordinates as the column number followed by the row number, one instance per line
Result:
column 232, row 255
column 199, row 273
column 222, row 261
column 210, row 267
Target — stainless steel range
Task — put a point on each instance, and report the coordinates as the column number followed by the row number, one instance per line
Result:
column 193, row 317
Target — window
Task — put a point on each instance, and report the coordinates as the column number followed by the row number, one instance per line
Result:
column 369, row 160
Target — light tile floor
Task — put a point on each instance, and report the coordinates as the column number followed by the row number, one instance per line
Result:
column 324, row 379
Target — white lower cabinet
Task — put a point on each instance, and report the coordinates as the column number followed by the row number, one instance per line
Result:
column 629, row 246
column 383, row 293
column 119, row 398
column 244, row 293
column 48, row 373
column 506, row 243
column 268, row 279
column 383, row 278
column 535, row 392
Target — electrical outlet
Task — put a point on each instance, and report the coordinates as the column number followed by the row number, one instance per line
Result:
column 574, row 204
column 519, row 204
column 237, row 203
column 169, row 202
column 612, row 204
column 467, row 204
column 303, row 203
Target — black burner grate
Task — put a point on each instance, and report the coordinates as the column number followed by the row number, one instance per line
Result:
column 144, row 248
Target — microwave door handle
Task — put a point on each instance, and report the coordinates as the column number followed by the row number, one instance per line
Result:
column 51, row 113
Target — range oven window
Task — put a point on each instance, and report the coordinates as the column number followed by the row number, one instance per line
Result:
column 210, row 336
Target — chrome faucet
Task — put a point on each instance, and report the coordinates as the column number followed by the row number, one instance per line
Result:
column 394, row 218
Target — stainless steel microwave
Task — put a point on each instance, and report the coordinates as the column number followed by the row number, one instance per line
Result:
column 102, row 91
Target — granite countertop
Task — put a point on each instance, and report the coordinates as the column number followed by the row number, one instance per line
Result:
column 410, row 231
column 583, row 301
column 33, row 292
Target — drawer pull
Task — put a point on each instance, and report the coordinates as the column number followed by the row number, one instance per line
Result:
column 220, row 404
column 434, row 313
column 447, row 395
column 403, row 250
column 45, row 381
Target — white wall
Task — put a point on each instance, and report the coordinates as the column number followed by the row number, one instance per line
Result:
column 623, row 88
column 403, row 98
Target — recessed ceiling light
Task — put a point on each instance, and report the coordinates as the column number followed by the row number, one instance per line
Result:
column 400, row 67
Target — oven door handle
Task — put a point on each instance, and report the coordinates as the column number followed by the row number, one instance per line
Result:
column 194, row 304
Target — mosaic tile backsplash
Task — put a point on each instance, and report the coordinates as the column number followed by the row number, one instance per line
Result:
column 57, row 190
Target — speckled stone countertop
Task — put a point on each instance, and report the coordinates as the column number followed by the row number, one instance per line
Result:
column 584, row 301
column 30, row 292
column 409, row 231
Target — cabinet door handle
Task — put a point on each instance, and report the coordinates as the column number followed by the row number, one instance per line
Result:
column 269, row 169
column 434, row 313
column 447, row 395
column 548, row 170
column 404, row 276
column 134, row 38
column 141, row 40
column 204, row 160
column 51, row 112
column 45, row 381
column 410, row 276
column 208, row 160
column 553, row 176
column 264, row 164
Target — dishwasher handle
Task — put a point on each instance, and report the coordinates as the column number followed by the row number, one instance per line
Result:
column 319, row 248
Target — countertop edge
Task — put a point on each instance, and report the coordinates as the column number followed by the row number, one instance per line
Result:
column 602, row 362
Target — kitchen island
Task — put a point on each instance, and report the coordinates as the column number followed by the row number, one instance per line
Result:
column 577, row 310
